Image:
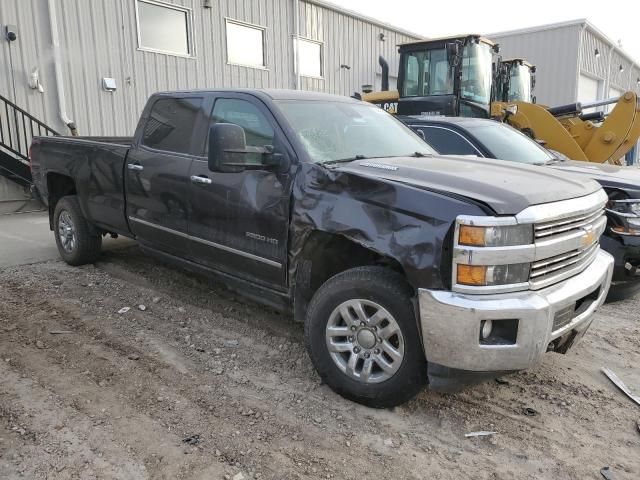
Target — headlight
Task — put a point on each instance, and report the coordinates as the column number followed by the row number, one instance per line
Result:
column 483, row 248
column 499, row 236
column 486, row 275
column 625, row 218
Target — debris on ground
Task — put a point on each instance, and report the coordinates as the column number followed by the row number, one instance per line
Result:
column 502, row 381
column 142, row 307
column 133, row 356
column 60, row 332
column 529, row 412
column 231, row 343
column 124, row 310
column 606, row 473
column 482, row 433
column 620, row 384
column 192, row 440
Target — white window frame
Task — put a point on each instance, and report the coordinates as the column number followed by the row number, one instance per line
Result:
column 227, row 21
column 295, row 51
column 190, row 26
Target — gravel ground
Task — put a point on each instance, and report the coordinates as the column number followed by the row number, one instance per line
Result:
column 194, row 382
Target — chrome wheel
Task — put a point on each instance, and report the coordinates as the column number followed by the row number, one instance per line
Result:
column 66, row 232
column 364, row 341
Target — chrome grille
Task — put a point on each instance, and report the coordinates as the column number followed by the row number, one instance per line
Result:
column 556, row 227
column 569, row 262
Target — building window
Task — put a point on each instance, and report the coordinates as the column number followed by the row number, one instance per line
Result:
column 245, row 44
column 309, row 57
column 164, row 28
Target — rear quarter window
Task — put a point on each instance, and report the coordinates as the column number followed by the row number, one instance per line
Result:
column 171, row 123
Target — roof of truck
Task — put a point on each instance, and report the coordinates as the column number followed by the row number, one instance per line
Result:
column 272, row 93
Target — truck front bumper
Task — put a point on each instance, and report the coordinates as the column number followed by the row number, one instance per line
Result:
column 451, row 322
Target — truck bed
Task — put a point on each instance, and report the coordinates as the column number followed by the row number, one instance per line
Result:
column 96, row 166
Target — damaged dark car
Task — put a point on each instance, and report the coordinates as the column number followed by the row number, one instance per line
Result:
column 406, row 267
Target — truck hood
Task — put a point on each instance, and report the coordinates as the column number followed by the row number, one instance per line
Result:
column 609, row 176
column 506, row 187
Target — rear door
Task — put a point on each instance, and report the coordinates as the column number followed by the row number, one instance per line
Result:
column 157, row 172
column 239, row 221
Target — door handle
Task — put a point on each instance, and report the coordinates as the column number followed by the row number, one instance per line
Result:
column 200, row 179
column 135, row 166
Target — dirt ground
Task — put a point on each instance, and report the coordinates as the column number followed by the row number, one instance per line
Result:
column 87, row 392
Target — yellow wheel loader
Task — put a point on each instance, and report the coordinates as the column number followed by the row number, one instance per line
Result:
column 465, row 76
column 593, row 137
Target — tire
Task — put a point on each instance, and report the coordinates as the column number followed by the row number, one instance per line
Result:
column 80, row 246
column 385, row 298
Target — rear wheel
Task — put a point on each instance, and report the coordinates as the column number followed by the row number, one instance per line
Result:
column 76, row 243
column 362, row 337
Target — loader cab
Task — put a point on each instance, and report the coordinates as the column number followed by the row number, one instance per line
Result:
column 450, row 76
column 516, row 81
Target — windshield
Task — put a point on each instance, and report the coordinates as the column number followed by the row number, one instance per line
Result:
column 477, row 65
column 519, row 84
column 506, row 143
column 332, row 131
column 427, row 73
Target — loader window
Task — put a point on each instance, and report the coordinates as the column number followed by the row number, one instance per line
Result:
column 477, row 73
column 519, row 84
column 427, row 73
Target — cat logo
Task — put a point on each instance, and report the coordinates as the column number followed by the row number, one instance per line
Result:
column 588, row 238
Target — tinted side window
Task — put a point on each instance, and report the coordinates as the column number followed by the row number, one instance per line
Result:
column 447, row 142
column 171, row 124
column 257, row 129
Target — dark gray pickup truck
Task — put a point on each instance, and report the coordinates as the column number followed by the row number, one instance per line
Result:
column 405, row 266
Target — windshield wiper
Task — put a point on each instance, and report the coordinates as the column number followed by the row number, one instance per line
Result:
column 418, row 154
column 345, row 160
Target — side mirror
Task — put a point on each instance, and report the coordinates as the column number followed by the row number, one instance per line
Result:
column 227, row 144
column 228, row 150
column 453, row 53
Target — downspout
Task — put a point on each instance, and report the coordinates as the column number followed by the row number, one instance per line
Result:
column 607, row 87
column 57, row 63
column 579, row 69
column 296, row 27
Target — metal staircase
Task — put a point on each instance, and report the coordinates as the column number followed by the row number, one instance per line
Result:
column 17, row 129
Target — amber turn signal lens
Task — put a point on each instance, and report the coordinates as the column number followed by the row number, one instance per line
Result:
column 472, row 275
column 471, row 236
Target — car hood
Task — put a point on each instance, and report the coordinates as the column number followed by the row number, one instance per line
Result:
column 506, row 187
column 609, row 176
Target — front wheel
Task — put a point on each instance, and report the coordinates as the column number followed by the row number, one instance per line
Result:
column 362, row 336
column 76, row 243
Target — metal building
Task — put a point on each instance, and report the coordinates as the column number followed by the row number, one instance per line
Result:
column 575, row 61
column 93, row 63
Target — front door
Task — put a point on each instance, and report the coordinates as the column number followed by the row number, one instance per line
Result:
column 157, row 174
column 239, row 221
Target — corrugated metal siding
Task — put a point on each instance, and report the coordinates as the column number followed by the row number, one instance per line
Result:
column 596, row 66
column 32, row 49
column 556, row 73
column 620, row 79
column 348, row 41
column 99, row 39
